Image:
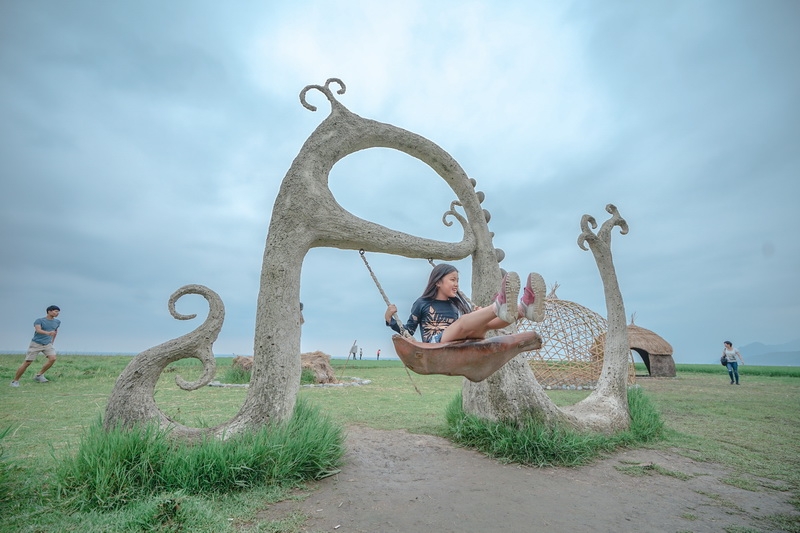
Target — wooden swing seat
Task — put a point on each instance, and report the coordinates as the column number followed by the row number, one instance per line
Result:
column 475, row 359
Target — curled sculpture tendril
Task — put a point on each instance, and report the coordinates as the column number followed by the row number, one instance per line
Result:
column 608, row 225
column 199, row 347
column 588, row 223
column 183, row 291
column 453, row 213
column 324, row 90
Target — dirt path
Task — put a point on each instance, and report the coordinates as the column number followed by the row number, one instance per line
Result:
column 394, row 481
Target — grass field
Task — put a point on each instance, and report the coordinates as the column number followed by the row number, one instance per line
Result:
column 753, row 428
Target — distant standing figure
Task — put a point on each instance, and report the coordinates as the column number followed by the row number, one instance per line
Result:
column 360, row 353
column 46, row 329
column 379, row 355
column 734, row 360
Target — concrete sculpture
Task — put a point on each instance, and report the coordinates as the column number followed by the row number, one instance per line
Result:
column 306, row 215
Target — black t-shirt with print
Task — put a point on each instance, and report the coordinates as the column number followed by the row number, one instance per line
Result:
column 432, row 317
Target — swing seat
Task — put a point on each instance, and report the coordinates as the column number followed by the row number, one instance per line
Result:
column 475, row 359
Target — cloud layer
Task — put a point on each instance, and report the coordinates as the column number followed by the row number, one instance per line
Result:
column 144, row 144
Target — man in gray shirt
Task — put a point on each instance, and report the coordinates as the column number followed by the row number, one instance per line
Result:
column 46, row 329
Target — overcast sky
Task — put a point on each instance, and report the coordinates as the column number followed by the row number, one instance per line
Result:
column 143, row 144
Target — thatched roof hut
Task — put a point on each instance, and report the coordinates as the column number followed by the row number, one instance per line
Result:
column 653, row 349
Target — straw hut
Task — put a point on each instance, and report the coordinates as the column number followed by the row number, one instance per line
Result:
column 653, row 349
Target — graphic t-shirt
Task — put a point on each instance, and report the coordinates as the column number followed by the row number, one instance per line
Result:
column 431, row 316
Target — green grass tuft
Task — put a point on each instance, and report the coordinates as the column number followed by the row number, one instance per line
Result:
column 115, row 468
column 308, row 377
column 6, row 469
column 646, row 422
column 532, row 443
column 235, row 374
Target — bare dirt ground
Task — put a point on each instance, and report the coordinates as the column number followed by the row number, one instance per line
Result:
column 394, row 481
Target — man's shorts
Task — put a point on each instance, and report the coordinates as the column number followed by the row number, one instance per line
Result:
column 35, row 349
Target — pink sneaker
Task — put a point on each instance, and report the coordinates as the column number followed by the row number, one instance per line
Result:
column 505, row 301
column 531, row 305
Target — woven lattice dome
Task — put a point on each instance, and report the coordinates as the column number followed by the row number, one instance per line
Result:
column 569, row 356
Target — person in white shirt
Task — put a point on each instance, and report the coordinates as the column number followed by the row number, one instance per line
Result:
column 734, row 359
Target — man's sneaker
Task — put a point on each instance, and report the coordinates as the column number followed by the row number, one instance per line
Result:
column 532, row 303
column 15, row 383
column 40, row 378
column 505, row 301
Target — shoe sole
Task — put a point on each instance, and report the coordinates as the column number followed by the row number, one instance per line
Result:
column 508, row 311
column 535, row 312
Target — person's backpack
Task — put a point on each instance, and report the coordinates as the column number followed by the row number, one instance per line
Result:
column 723, row 360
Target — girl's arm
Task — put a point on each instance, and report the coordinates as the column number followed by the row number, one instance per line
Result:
column 413, row 320
column 391, row 310
column 410, row 326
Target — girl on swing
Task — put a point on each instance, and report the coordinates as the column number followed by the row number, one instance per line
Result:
column 444, row 316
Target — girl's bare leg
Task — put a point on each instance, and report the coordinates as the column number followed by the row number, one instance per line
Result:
column 473, row 325
column 497, row 323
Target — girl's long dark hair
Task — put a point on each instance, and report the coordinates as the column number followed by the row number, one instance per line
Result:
column 438, row 272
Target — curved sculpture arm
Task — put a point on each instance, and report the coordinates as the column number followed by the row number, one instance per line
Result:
column 305, row 187
column 344, row 230
column 132, row 400
column 606, row 408
column 200, row 349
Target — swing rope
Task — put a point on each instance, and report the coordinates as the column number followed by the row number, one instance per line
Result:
column 403, row 330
